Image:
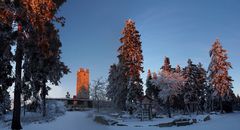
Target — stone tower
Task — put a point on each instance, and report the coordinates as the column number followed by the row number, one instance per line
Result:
column 82, row 89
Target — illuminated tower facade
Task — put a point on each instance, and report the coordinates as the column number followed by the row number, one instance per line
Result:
column 82, row 89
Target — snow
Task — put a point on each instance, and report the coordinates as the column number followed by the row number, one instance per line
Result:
column 69, row 121
column 84, row 121
column 54, row 109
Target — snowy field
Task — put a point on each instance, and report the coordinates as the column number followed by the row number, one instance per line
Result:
column 84, row 121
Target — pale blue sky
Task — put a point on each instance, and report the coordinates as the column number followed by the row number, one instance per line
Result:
column 177, row 29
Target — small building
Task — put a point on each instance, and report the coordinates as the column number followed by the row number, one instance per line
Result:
column 145, row 108
column 73, row 103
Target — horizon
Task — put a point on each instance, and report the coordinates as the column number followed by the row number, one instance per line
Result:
column 178, row 30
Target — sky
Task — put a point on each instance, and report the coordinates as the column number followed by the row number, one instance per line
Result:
column 177, row 29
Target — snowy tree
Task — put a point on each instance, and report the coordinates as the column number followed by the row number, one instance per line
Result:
column 170, row 85
column 178, row 69
column 6, row 80
column 117, row 86
column 68, row 95
column 5, row 102
column 40, row 69
column 178, row 101
column 202, row 85
column 152, row 91
column 28, row 15
column 189, row 73
column 130, row 56
column 98, row 92
column 237, row 102
column 194, row 85
column 26, row 91
column 6, row 57
column 166, row 65
column 155, row 75
column 112, row 77
column 167, row 68
column 219, row 78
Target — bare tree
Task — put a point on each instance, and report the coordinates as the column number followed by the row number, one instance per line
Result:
column 98, row 92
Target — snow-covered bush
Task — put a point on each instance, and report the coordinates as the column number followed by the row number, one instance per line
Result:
column 55, row 108
column 5, row 103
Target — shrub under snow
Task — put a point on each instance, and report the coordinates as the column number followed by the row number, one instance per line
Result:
column 55, row 108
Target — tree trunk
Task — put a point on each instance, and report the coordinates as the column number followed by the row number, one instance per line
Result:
column 16, row 121
column 44, row 105
column 98, row 105
column 212, row 104
column 44, row 91
column 24, row 107
column 197, row 109
column 150, row 112
column 168, row 108
column 221, row 105
column 187, row 108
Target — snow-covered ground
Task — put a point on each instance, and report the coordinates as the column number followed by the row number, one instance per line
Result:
column 69, row 121
column 84, row 121
column 54, row 110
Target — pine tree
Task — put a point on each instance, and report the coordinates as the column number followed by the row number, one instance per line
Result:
column 237, row 102
column 166, row 65
column 111, row 87
column 189, row 73
column 202, row 85
column 178, row 69
column 151, row 91
column 40, row 69
column 178, row 102
column 6, row 77
column 29, row 15
column 6, row 81
column 219, row 78
column 154, row 75
column 117, row 86
column 194, row 85
column 5, row 102
column 130, row 56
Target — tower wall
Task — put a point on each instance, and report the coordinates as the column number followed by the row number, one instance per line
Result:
column 82, row 82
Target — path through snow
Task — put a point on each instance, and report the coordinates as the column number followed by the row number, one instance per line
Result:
column 70, row 121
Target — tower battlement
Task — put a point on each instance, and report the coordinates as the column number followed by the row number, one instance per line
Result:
column 83, row 70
